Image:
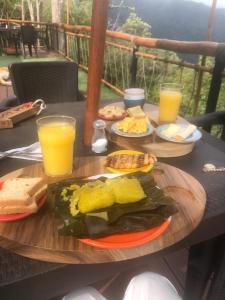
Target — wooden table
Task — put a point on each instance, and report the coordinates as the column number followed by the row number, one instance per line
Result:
column 150, row 143
column 55, row 279
column 36, row 237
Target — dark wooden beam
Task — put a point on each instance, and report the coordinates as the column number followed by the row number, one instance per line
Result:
column 133, row 68
column 215, row 82
column 95, row 65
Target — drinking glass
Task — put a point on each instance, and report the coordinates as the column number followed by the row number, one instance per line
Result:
column 170, row 100
column 57, row 136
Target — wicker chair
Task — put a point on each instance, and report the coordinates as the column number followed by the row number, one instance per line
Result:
column 51, row 81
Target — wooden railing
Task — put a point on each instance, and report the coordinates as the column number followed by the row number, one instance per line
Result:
column 137, row 61
column 146, row 62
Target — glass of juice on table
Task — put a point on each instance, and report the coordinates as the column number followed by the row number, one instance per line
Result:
column 57, row 135
column 170, row 100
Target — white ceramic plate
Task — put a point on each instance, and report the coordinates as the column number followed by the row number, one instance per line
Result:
column 125, row 134
column 195, row 136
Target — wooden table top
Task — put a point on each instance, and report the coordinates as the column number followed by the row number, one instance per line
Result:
column 37, row 237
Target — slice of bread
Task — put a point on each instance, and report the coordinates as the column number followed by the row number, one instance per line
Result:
column 136, row 112
column 185, row 133
column 20, row 191
column 10, row 209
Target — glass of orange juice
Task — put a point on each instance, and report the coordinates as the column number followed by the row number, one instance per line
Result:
column 57, row 136
column 170, row 100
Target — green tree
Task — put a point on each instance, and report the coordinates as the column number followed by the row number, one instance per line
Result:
column 10, row 9
column 81, row 11
column 135, row 25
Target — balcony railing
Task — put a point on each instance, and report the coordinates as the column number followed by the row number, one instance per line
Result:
column 132, row 61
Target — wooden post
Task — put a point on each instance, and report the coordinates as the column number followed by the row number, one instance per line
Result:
column 77, row 41
column 56, row 36
column 95, row 64
column 199, row 86
column 47, row 36
column 133, row 67
column 215, row 82
column 65, row 42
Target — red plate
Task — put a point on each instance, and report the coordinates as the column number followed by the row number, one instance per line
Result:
column 14, row 217
column 128, row 240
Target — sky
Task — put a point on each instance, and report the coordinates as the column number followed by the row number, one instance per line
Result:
column 220, row 3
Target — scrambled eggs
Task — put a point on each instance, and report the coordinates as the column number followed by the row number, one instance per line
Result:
column 133, row 125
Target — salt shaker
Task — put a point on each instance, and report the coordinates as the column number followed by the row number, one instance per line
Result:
column 99, row 141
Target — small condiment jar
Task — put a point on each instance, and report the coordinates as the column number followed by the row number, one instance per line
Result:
column 99, row 140
column 134, row 97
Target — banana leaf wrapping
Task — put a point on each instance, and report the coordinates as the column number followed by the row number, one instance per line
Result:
column 118, row 218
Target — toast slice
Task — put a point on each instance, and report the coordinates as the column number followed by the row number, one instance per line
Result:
column 11, row 209
column 182, row 135
column 20, row 191
column 136, row 112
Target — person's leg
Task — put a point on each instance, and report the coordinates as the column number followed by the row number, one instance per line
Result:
column 150, row 286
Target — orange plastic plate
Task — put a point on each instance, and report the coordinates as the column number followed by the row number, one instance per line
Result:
column 128, row 240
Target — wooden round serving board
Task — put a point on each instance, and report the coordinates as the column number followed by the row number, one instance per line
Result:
column 37, row 237
column 151, row 143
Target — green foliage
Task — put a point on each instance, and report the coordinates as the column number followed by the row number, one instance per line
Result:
column 135, row 25
column 80, row 12
column 10, row 9
column 46, row 14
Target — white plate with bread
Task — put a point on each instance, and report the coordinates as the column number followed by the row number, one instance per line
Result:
column 21, row 197
column 179, row 133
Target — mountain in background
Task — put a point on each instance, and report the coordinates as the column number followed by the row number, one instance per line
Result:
column 181, row 20
column 177, row 20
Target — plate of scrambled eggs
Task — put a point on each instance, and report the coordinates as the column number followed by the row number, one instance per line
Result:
column 133, row 127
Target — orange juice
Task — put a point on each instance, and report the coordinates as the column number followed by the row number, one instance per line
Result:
column 169, row 105
column 57, row 140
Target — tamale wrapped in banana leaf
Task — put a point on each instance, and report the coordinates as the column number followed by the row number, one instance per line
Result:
column 119, row 217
